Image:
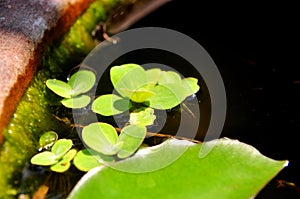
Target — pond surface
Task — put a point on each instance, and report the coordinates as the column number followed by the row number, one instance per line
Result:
column 253, row 48
column 260, row 73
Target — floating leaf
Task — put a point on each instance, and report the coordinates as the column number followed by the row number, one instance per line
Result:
column 60, row 167
column 61, row 147
column 48, row 139
column 128, row 76
column 69, row 155
column 82, row 81
column 111, row 104
column 59, row 87
column 64, row 164
column 231, row 170
column 191, row 85
column 101, row 137
column 167, row 96
column 145, row 117
column 139, row 96
column 132, row 136
column 169, row 77
column 45, row 158
column 76, row 102
column 153, row 75
column 85, row 161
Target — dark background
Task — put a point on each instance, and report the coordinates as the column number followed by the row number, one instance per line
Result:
column 255, row 47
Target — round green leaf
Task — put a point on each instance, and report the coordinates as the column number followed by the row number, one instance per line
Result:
column 117, row 72
column 145, row 117
column 153, row 75
column 101, row 137
column 48, row 139
column 76, row 102
column 82, row 81
column 61, row 147
column 132, row 136
column 231, row 170
column 59, row 87
column 167, row 96
column 60, row 167
column 169, row 77
column 64, row 164
column 140, row 95
column 69, row 156
column 128, row 76
column 45, row 158
column 111, row 104
column 191, row 85
column 85, row 161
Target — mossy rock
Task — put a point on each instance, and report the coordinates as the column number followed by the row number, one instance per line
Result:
column 35, row 114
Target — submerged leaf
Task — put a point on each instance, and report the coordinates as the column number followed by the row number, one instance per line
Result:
column 110, row 104
column 82, row 81
column 132, row 137
column 101, row 137
column 76, row 102
column 230, row 170
column 59, row 87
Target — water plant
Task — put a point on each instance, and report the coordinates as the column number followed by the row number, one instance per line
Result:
column 58, row 158
column 140, row 92
column 73, row 91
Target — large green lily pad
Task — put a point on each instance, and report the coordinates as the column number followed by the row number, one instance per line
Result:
column 230, row 170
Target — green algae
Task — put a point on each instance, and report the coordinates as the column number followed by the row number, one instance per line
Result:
column 34, row 114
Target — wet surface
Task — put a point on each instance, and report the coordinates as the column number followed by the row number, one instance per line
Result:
column 254, row 49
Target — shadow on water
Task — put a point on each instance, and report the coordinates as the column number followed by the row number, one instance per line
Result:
column 253, row 47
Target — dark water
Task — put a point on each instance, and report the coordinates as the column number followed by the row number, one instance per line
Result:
column 255, row 49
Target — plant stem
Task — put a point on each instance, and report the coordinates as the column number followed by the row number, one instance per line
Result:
column 148, row 134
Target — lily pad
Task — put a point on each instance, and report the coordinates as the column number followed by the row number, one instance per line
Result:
column 230, row 170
